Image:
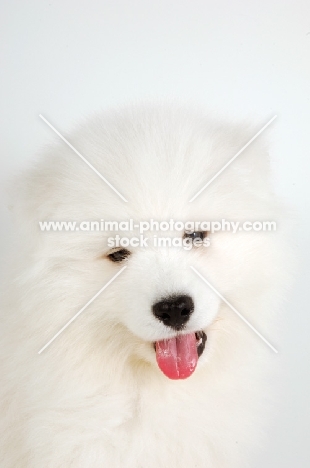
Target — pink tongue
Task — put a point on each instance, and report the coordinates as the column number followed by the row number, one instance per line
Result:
column 177, row 357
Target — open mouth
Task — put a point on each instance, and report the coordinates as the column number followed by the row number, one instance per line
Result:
column 177, row 357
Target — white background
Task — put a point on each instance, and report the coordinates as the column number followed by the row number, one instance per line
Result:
column 67, row 58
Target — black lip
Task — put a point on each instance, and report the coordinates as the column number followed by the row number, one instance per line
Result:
column 201, row 335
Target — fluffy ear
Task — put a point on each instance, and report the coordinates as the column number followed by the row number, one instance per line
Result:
column 248, row 157
column 32, row 197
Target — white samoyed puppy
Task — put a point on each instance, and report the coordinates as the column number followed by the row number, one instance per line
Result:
column 157, row 371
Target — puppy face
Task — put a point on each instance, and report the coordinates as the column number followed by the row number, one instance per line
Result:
column 163, row 303
column 158, row 159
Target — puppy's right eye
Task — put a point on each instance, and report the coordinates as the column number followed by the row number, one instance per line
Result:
column 118, row 255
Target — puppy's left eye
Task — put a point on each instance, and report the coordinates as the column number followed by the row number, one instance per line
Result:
column 196, row 235
column 118, row 255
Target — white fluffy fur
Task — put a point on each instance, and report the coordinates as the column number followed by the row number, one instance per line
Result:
column 96, row 397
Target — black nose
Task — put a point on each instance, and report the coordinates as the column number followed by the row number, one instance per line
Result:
column 174, row 311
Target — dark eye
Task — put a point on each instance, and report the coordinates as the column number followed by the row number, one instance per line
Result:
column 118, row 255
column 196, row 235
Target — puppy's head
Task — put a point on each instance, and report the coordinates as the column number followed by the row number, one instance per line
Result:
column 158, row 310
